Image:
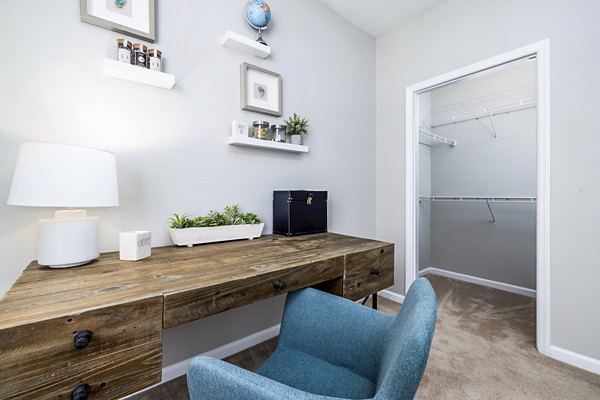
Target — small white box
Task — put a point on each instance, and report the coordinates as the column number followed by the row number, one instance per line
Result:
column 134, row 245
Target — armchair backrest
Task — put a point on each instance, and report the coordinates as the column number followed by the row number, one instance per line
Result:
column 407, row 344
column 335, row 325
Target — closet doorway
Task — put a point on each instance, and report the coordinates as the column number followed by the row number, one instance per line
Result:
column 476, row 186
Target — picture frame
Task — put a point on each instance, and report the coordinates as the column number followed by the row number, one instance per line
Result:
column 131, row 17
column 260, row 90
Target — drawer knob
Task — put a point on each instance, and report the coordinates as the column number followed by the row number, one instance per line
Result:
column 81, row 392
column 374, row 271
column 82, row 339
column 278, row 284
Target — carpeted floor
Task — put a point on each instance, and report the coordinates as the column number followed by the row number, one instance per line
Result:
column 483, row 348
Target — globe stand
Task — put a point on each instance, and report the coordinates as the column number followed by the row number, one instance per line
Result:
column 260, row 39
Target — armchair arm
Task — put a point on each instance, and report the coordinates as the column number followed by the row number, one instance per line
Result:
column 334, row 329
column 209, row 378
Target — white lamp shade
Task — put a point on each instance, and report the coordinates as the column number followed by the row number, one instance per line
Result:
column 58, row 175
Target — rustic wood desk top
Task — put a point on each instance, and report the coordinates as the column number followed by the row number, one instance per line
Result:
column 42, row 293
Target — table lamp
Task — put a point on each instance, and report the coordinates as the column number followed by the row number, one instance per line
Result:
column 65, row 176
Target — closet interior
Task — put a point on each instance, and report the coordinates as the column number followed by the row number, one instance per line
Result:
column 477, row 178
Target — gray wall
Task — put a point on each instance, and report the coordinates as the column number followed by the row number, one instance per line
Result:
column 424, row 188
column 461, row 32
column 463, row 237
column 424, row 206
column 171, row 146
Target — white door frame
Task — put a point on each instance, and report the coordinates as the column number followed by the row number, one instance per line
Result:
column 541, row 50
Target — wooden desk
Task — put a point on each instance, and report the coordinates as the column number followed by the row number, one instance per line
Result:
column 126, row 305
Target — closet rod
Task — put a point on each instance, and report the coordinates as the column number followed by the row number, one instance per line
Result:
column 487, row 112
column 493, row 199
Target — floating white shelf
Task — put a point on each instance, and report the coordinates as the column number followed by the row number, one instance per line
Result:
column 239, row 140
column 241, row 43
column 134, row 73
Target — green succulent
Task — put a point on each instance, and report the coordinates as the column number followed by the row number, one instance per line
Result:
column 180, row 222
column 296, row 125
column 249, row 218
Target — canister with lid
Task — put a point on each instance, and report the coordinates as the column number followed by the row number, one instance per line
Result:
column 278, row 133
column 155, row 59
column 140, row 55
column 260, row 130
column 124, row 51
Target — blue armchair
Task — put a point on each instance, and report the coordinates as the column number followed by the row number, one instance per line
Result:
column 330, row 347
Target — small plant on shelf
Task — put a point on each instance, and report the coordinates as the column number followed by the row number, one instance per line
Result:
column 296, row 125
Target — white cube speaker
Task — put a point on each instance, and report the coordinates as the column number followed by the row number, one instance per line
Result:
column 134, row 245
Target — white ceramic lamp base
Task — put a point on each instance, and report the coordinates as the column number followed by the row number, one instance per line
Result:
column 68, row 240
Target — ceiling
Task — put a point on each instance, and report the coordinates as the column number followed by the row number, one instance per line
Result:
column 378, row 17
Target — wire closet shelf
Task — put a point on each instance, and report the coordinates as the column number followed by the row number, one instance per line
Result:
column 485, row 199
column 493, row 199
column 431, row 139
column 486, row 112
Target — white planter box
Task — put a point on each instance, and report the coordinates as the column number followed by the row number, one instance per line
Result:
column 191, row 236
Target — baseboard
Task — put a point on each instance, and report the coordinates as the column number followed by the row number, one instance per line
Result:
column 393, row 296
column 176, row 370
column 577, row 360
column 479, row 281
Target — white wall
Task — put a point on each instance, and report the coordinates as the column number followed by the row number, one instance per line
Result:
column 461, row 32
column 464, row 238
column 171, row 146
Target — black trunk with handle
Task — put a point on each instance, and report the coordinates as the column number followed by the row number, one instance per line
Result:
column 299, row 212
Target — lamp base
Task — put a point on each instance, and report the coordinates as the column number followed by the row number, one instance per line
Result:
column 77, row 264
column 68, row 240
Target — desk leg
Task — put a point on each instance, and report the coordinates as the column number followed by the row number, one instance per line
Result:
column 373, row 300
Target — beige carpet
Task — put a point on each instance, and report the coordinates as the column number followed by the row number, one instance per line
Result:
column 483, row 348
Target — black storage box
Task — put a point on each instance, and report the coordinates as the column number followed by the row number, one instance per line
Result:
column 298, row 212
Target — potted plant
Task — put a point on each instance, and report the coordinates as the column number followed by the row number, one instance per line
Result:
column 295, row 127
column 231, row 224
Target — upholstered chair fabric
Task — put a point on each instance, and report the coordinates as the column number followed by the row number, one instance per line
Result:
column 332, row 348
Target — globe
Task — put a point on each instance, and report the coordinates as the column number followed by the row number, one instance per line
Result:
column 258, row 14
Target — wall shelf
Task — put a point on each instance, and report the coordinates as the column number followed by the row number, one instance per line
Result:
column 243, row 44
column 134, row 73
column 239, row 140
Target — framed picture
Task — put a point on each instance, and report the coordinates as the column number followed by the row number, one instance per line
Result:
column 131, row 17
column 239, row 129
column 260, row 90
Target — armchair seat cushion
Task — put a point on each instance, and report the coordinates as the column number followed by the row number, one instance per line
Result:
column 310, row 374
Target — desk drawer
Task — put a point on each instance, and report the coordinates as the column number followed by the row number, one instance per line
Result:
column 123, row 354
column 369, row 271
column 190, row 305
column 193, row 304
column 287, row 280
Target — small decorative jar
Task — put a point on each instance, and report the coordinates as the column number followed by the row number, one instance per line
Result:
column 278, row 133
column 155, row 59
column 260, row 130
column 124, row 51
column 140, row 55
